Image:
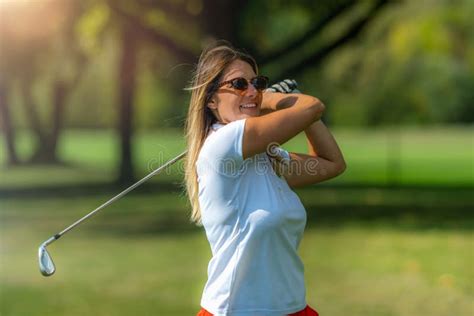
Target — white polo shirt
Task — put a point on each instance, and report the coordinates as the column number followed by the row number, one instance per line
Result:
column 254, row 223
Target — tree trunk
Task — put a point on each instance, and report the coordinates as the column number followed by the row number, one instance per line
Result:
column 46, row 151
column 30, row 110
column 7, row 124
column 60, row 94
column 127, row 69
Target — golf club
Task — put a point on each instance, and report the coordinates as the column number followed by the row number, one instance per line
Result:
column 46, row 264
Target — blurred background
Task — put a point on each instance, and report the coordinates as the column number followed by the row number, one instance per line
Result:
column 92, row 98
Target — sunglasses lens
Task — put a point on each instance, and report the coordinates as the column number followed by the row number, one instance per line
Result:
column 260, row 83
column 240, row 84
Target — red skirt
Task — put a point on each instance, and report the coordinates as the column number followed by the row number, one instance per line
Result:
column 308, row 311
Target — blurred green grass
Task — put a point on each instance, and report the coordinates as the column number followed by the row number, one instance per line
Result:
column 408, row 156
column 142, row 257
column 367, row 250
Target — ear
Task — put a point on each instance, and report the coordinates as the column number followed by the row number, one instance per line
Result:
column 212, row 104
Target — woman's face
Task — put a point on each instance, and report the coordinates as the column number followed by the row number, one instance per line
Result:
column 229, row 104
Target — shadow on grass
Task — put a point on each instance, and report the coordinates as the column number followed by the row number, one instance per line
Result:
column 410, row 208
column 449, row 211
column 85, row 189
column 91, row 189
column 397, row 217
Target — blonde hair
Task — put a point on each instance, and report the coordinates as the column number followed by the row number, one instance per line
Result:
column 208, row 73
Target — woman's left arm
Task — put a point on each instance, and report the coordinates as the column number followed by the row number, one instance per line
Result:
column 323, row 161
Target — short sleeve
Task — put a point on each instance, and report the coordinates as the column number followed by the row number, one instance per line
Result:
column 279, row 154
column 222, row 150
column 282, row 155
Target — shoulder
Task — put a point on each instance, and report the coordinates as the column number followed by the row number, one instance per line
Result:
column 230, row 129
column 223, row 146
column 225, row 138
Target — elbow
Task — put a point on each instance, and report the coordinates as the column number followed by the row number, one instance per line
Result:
column 341, row 167
column 338, row 167
column 320, row 105
column 312, row 107
column 318, row 108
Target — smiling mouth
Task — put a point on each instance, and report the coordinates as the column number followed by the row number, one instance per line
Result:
column 248, row 106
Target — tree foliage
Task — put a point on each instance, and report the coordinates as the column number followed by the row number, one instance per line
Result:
column 124, row 64
column 414, row 66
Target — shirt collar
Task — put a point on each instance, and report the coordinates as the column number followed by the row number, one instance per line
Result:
column 216, row 126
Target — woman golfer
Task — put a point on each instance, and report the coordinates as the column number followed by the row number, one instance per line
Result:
column 240, row 183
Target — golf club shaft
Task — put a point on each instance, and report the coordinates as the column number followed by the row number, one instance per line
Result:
column 115, row 198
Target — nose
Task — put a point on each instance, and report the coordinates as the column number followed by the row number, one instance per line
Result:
column 250, row 91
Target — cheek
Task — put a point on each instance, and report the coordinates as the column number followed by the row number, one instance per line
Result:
column 232, row 103
column 228, row 105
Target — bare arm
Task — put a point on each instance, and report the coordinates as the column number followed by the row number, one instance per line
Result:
column 323, row 161
column 321, row 143
column 291, row 114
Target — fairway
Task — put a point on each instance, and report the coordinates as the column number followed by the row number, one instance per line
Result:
column 408, row 156
column 142, row 257
column 377, row 242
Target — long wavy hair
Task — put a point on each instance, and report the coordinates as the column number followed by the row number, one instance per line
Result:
column 208, row 73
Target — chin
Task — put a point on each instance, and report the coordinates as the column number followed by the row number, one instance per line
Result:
column 254, row 112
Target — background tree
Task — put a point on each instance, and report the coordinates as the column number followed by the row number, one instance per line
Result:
column 153, row 22
column 123, row 64
column 34, row 56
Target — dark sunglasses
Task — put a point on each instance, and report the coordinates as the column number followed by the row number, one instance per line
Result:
column 260, row 83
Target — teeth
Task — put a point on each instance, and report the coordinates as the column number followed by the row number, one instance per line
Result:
column 250, row 105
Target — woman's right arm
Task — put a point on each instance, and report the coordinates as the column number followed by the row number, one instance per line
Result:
column 291, row 114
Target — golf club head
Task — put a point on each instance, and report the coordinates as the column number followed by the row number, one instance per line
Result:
column 46, row 264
